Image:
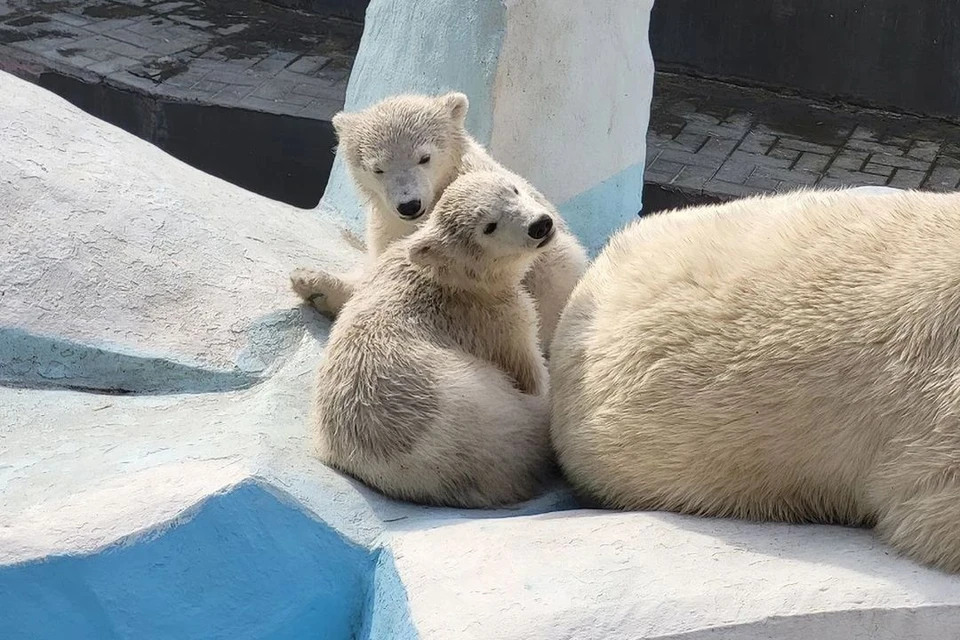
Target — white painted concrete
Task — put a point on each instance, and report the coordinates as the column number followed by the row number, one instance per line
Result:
column 571, row 97
column 81, row 471
column 109, row 241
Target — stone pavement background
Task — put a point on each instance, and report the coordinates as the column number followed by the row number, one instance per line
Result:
column 707, row 140
column 713, row 139
column 233, row 53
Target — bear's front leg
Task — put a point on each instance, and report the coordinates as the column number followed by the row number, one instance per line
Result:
column 327, row 293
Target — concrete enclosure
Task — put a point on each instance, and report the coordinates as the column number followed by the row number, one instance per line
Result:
column 157, row 478
column 559, row 92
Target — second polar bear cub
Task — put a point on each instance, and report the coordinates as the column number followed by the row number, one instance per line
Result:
column 402, row 153
column 433, row 388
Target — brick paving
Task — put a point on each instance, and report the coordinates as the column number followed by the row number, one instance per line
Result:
column 709, row 138
column 233, row 53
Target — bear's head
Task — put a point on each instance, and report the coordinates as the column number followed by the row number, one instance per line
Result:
column 404, row 150
column 487, row 228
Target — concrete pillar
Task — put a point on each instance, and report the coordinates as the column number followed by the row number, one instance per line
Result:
column 559, row 92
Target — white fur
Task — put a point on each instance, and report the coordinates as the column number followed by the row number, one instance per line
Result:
column 433, row 388
column 394, row 137
column 792, row 358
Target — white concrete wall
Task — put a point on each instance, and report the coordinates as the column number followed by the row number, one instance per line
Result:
column 559, row 90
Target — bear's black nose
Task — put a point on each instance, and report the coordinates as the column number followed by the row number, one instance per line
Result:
column 540, row 228
column 409, row 209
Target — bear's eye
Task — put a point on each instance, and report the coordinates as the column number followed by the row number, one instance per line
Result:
column 490, row 228
column 425, row 158
column 378, row 170
column 516, row 191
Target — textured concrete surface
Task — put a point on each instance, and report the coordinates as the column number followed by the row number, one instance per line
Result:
column 160, row 514
column 97, row 273
column 559, row 91
column 711, row 138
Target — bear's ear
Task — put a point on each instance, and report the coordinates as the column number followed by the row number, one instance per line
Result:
column 343, row 122
column 426, row 250
column 456, row 104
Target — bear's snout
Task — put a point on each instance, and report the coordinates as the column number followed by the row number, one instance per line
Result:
column 540, row 227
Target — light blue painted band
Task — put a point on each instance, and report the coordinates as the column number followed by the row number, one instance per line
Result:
column 599, row 212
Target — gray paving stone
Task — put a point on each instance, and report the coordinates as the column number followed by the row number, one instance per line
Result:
column 665, row 166
column 874, row 147
column 275, row 89
column 141, row 40
column 850, row 160
column 321, row 109
column 901, row 162
column 721, row 188
column 232, row 95
column 924, row 150
column 827, row 182
column 943, row 178
column 693, row 178
column 308, row 64
column 209, row 86
column 262, row 104
column 756, row 142
column 719, row 148
column 789, row 156
column 760, row 183
column 903, row 143
column 907, row 179
column 70, row 19
column 167, row 7
column 793, row 176
column 246, row 78
column 814, row 162
column 735, row 171
column 856, row 177
column 112, row 66
column 275, row 62
column 314, row 89
column 765, row 161
column 878, row 169
column 685, row 157
column 803, row 145
column 691, row 142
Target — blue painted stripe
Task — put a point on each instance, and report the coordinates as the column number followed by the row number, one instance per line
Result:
column 598, row 213
column 248, row 566
column 421, row 47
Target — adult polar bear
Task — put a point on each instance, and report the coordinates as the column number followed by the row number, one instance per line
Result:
column 792, row 358
column 402, row 153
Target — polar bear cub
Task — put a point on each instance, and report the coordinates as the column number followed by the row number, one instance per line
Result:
column 402, row 153
column 433, row 388
column 790, row 358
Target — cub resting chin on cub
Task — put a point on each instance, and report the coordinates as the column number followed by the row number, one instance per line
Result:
column 402, row 153
column 433, row 388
